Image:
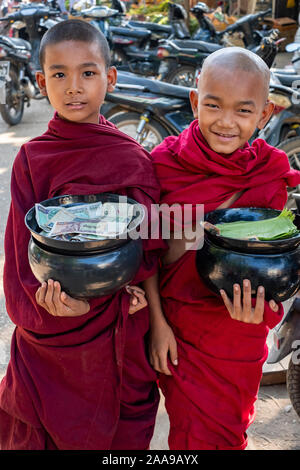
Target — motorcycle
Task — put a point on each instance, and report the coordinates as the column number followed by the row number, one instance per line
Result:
column 290, row 75
column 139, row 94
column 17, row 79
column 30, row 23
column 134, row 43
column 286, row 341
column 99, row 16
column 295, row 48
column 175, row 29
column 181, row 61
column 150, row 110
column 248, row 26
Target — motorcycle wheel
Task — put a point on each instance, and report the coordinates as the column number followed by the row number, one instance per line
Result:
column 293, row 385
column 12, row 111
column 292, row 148
column 184, row 76
column 108, row 110
column 152, row 135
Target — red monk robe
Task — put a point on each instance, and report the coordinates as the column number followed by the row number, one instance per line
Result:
column 210, row 396
column 79, row 382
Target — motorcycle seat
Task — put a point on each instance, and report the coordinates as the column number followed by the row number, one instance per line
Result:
column 154, row 86
column 199, row 45
column 137, row 33
column 287, row 80
column 159, row 28
column 15, row 42
column 289, row 71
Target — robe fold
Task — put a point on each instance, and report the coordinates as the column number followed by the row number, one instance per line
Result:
column 85, row 381
column 210, row 396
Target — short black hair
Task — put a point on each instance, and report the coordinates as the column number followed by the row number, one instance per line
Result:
column 75, row 30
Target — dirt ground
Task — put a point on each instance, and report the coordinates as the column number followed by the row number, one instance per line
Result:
column 277, row 427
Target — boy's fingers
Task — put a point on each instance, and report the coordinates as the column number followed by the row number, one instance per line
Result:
column 40, row 293
column 56, row 294
column 163, row 364
column 247, row 301
column 67, row 300
column 273, row 306
column 173, row 354
column 227, row 302
column 75, row 305
column 258, row 311
column 49, row 297
column 135, row 289
column 237, row 307
column 37, row 295
column 141, row 298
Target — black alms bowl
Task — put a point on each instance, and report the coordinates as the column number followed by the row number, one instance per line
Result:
column 224, row 261
column 85, row 269
column 94, row 274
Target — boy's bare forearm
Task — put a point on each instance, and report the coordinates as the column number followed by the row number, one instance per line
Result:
column 151, row 287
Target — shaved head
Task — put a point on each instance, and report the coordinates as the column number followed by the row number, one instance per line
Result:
column 235, row 59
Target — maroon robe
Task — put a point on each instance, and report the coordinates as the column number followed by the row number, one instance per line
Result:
column 210, row 396
column 81, row 382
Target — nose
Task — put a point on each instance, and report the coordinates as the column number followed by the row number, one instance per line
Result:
column 73, row 86
column 226, row 120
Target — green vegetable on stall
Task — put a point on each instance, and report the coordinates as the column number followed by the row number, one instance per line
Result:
column 275, row 228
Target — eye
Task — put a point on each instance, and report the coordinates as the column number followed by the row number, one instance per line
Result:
column 245, row 111
column 88, row 73
column 211, row 105
column 59, row 75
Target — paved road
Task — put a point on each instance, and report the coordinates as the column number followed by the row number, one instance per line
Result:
column 277, row 425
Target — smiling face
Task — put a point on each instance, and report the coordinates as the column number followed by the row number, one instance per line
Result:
column 229, row 106
column 75, row 80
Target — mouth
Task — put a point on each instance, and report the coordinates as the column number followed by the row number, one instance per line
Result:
column 76, row 105
column 225, row 137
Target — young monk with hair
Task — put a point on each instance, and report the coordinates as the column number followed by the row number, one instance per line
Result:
column 78, row 377
column 210, row 350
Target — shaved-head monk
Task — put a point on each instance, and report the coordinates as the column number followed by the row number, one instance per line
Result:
column 209, row 349
column 78, row 377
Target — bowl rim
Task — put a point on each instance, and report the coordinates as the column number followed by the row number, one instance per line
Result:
column 107, row 243
column 252, row 244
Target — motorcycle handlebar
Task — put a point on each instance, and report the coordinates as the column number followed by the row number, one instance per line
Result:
column 17, row 16
column 12, row 17
column 252, row 19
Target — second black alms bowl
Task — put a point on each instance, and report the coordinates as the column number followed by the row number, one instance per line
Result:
column 273, row 264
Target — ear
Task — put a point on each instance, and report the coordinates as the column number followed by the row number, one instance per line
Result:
column 111, row 79
column 266, row 114
column 41, row 81
column 194, row 102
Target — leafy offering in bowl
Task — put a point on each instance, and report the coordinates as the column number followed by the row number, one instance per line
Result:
column 274, row 228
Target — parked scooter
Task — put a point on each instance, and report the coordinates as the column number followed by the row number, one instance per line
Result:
column 150, row 110
column 134, row 43
column 31, row 22
column 286, row 341
column 147, row 110
column 175, row 29
column 290, row 76
column 181, row 61
column 156, row 102
column 99, row 16
column 249, row 26
column 17, row 79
